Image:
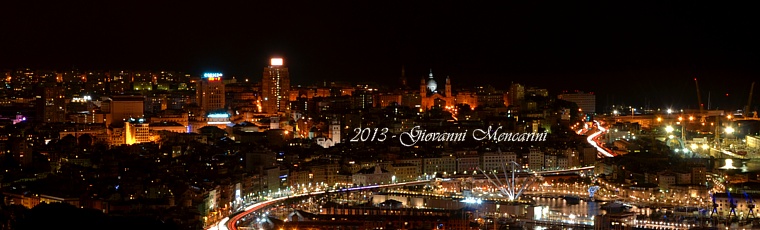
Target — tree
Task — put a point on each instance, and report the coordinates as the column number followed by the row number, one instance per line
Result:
column 463, row 108
column 85, row 141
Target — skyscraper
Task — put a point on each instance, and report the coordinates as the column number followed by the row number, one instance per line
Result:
column 211, row 92
column 51, row 103
column 124, row 107
column 275, row 86
column 585, row 101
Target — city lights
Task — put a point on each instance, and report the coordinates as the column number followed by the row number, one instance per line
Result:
column 155, row 122
column 276, row 62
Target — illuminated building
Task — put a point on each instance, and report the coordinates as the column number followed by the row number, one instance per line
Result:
column 467, row 98
column 535, row 160
column 585, row 101
column 210, row 92
column 51, row 104
column 334, row 137
column 20, row 144
column 122, row 108
column 430, row 95
column 516, row 94
column 386, row 100
column 220, row 120
column 172, row 116
column 137, row 131
column 275, row 86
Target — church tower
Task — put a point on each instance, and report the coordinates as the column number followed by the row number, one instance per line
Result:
column 448, row 87
column 403, row 78
column 423, row 88
column 335, row 131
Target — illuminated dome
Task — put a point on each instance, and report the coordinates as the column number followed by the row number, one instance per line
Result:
column 431, row 84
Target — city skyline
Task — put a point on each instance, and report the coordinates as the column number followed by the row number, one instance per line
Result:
column 657, row 48
column 378, row 115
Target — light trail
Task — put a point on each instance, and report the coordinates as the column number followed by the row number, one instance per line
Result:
column 228, row 223
column 591, row 141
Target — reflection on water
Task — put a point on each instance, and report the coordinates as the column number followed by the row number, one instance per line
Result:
column 743, row 165
column 558, row 210
column 583, row 208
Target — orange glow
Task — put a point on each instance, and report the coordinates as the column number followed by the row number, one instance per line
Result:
column 214, row 79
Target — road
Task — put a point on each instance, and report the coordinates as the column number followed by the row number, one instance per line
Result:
column 230, row 223
column 592, row 139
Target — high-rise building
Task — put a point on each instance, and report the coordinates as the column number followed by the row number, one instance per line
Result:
column 124, row 107
column 210, row 92
column 275, row 87
column 516, row 94
column 585, row 101
column 51, row 104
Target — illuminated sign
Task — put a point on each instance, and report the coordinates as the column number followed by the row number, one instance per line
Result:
column 275, row 62
column 213, row 76
column 81, row 99
column 218, row 115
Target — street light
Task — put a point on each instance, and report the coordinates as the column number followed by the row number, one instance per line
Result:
column 729, row 130
column 669, row 129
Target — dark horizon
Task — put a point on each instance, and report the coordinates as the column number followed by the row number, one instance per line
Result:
column 632, row 53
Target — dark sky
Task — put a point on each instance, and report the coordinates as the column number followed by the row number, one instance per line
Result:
column 623, row 51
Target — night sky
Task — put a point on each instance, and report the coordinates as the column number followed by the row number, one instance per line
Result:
column 624, row 52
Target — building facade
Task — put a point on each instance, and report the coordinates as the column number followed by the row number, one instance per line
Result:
column 275, row 86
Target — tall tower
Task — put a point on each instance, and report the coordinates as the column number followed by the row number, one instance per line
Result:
column 211, row 92
column 51, row 103
column 423, row 88
column 275, row 86
column 403, row 78
column 335, row 131
column 448, row 87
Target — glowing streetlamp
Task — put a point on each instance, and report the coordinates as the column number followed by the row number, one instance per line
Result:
column 729, row 130
column 669, row 129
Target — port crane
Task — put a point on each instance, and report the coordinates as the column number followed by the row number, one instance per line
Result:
column 715, row 205
column 732, row 204
column 750, row 204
